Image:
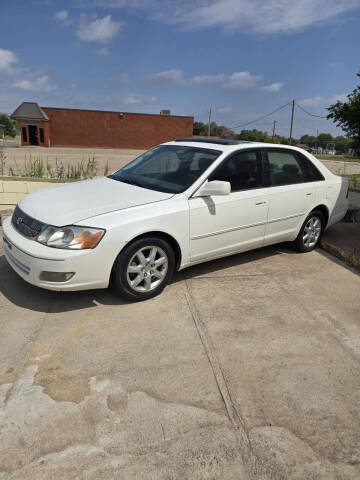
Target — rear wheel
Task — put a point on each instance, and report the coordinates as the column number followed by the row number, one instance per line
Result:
column 310, row 232
column 143, row 268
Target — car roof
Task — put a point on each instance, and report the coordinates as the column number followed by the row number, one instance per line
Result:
column 217, row 141
column 225, row 145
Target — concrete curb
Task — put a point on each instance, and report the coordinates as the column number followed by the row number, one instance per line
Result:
column 350, row 258
column 4, row 213
column 13, row 190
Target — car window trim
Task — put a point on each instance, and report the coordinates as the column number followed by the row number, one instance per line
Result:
column 297, row 155
column 304, row 161
column 258, row 151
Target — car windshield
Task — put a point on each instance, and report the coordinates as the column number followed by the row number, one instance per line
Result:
column 167, row 168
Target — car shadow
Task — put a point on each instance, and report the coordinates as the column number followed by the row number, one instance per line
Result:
column 22, row 294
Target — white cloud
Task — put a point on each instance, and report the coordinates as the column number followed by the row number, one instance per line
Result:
column 319, row 101
column 7, row 61
column 206, row 79
column 104, row 51
column 259, row 16
column 101, row 30
column 39, row 84
column 263, row 16
column 242, row 80
column 273, row 87
column 167, row 77
column 131, row 100
column 138, row 99
column 176, row 77
column 63, row 18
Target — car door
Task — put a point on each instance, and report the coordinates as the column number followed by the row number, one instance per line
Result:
column 290, row 194
column 223, row 224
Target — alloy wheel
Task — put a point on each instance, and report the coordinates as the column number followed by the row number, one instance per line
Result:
column 312, row 232
column 147, row 268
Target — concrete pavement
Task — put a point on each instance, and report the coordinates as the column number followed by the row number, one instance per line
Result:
column 244, row 368
column 343, row 241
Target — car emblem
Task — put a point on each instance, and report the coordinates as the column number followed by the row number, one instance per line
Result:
column 19, row 220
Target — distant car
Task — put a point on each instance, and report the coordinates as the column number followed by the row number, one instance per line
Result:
column 180, row 203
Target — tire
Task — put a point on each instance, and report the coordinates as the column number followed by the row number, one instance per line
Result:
column 143, row 269
column 310, row 232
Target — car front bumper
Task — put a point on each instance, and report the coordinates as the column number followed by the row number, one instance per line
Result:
column 28, row 258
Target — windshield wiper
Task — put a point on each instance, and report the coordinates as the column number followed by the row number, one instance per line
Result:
column 127, row 180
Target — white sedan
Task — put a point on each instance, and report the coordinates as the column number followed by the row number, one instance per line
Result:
column 181, row 203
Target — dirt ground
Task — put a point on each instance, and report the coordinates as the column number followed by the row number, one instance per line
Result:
column 15, row 157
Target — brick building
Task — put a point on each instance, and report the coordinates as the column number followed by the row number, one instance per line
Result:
column 69, row 127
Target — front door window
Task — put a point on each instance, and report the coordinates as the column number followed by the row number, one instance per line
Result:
column 243, row 170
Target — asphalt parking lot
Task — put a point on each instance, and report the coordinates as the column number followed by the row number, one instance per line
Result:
column 244, row 368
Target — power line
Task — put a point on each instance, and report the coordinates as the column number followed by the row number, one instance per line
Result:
column 260, row 118
column 308, row 113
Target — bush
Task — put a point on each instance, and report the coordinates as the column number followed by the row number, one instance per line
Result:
column 34, row 167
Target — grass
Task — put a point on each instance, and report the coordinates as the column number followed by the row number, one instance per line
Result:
column 36, row 168
column 2, row 161
column 339, row 158
column 8, row 138
column 354, row 180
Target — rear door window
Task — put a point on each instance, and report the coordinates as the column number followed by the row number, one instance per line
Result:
column 285, row 168
column 313, row 174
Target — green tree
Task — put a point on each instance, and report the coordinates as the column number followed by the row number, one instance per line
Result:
column 324, row 139
column 200, row 128
column 10, row 125
column 221, row 131
column 347, row 116
column 216, row 130
column 252, row 135
column 308, row 140
column 342, row 144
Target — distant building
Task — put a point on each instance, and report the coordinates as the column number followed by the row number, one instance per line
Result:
column 69, row 127
column 303, row 146
column 2, row 131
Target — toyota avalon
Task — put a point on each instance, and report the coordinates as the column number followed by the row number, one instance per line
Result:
column 178, row 204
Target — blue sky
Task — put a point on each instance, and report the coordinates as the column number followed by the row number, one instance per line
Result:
column 244, row 58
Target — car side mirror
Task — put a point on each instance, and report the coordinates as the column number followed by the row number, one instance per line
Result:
column 213, row 188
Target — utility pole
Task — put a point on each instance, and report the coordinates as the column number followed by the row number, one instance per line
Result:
column 317, row 136
column 209, row 123
column 292, row 120
column 273, row 133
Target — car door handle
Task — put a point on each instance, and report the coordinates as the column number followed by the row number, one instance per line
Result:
column 260, row 203
column 308, row 194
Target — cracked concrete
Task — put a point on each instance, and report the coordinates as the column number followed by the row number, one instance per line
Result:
column 245, row 368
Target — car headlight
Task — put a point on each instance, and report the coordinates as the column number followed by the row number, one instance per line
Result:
column 72, row 237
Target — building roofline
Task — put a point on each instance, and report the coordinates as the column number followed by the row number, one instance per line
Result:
column 116, row 111
column 41, row 114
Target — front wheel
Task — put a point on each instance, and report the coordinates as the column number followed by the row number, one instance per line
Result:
column 310, row 232
column 143, row 268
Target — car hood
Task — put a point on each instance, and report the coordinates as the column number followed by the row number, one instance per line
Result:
column 74, row 202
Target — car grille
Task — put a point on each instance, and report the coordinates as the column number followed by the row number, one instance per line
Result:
column 26, row 225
